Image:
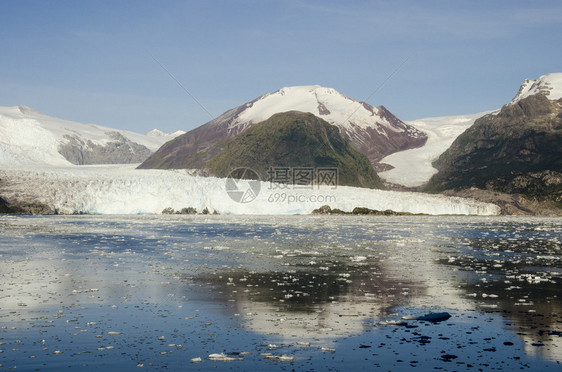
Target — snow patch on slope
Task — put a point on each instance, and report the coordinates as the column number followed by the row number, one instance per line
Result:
column 155, row 133
column 327, row 103
column 549, row 85
column 25, row 141
column 413, row 167
column 158, row 133
column 124, row 190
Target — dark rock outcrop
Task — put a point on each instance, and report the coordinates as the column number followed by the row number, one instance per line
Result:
column 327, row 210
column 510, row 204
column 187, row 210
column 25, row 207
column 120, row 150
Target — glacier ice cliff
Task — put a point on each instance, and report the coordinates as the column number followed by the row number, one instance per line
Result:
column 124, row 190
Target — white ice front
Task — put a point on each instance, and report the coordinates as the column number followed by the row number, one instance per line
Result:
column 125, row 190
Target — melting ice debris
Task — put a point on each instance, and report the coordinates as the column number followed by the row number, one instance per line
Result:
column 430, row 317
column 358, row 258
column 392, row 322
column 222, row 357
column 283, row 358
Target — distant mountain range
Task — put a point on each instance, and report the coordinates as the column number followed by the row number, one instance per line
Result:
column 30, row 138
column 373, row 131
column 515, row 150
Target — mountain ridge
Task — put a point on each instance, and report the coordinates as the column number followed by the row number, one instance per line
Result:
column 514, row 151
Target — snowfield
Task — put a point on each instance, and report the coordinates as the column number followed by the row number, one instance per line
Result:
column 122, row 189
column 311, row 98
column 354, row 117
column 413, row 167
column 28, row 137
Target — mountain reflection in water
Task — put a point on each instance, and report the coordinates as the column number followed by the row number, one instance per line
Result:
column 214, row 283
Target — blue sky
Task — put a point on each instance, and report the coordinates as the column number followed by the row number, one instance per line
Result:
column 91, row 61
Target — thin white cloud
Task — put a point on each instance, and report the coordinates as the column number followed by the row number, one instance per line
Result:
column 418, row 20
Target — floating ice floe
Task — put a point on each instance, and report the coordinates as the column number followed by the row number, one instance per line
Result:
column 392, row 322
column 430, row 317
column 222, row 357
column 283, row 358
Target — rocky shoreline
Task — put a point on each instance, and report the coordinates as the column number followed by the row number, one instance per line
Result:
column 510, row 204
column 327, row 210
column 188, row 210
column 38, row 208
column 25, row 208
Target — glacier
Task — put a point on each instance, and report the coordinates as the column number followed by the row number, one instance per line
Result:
column 28, row 137
column 413, row 167
column 122, row 189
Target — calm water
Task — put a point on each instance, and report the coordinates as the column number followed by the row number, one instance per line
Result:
column 279, row 293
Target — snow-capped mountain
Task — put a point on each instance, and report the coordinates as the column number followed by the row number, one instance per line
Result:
column 373, row 131
column 30, row 138
column 515, row 151
column 414, row 167
column 550, row 85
